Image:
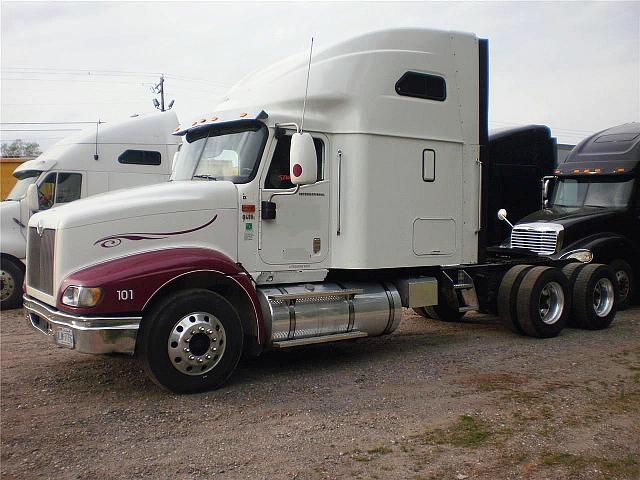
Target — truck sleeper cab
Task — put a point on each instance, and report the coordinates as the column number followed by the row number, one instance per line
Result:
column 105, row 157
column 269, row 237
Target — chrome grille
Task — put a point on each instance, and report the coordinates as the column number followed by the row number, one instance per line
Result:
column 541, row 238
column 40, row 259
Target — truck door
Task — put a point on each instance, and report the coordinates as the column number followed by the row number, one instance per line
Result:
column 300, row 232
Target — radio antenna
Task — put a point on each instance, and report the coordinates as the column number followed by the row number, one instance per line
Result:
column 306, row 90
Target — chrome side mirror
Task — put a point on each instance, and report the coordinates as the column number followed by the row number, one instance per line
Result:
column 502, row 216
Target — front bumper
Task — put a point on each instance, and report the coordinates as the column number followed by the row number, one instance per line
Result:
column 85, row 334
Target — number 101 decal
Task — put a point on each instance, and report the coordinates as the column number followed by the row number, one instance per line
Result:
column 124, row 295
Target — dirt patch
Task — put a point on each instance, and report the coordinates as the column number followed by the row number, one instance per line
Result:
column 433, row 401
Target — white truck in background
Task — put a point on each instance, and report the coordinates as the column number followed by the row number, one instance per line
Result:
column 102, row 158
column 275, row 232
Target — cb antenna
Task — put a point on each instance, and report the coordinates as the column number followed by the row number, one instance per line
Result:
column 306, row 90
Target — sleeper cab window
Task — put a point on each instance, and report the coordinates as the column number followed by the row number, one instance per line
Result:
column 422, row 85
column 428, row 165
column 278, row 176
column 140, row 157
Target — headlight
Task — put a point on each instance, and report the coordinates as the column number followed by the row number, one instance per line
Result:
column 584, row 256
column 81, row 296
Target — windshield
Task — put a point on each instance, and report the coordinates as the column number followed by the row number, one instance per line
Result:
column 577, row 193
column 223, row 153
column 19, row 190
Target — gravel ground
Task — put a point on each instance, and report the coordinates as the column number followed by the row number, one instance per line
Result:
column 434, row 400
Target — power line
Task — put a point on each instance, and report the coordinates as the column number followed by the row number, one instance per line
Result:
column 73, row 80
column 46, row 123
column 41, row 130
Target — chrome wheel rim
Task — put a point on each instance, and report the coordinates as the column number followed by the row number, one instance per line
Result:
column 7, row 285
column 551, row 303
column 196, row 343
column 603, row 297
column 624, row 284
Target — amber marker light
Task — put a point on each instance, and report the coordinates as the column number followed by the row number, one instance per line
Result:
column 249, row 208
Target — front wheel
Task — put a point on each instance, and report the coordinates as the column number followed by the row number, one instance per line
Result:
column 11, row 279
column 191, row 341
column 543, row 302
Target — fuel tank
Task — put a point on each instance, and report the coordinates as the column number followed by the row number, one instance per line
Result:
column 316, row 309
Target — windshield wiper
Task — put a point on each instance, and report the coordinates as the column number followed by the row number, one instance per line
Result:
column 205, row 177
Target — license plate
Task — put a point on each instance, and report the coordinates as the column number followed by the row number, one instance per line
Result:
column 64, row 337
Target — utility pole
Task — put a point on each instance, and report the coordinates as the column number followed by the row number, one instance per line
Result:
column 159, row 88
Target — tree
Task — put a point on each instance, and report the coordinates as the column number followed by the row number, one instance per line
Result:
column 21, row 149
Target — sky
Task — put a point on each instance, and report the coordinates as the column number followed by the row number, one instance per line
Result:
column 574, row 66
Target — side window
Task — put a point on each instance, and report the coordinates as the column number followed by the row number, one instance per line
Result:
column 140, row 157
column 422, row 85
column 278, row 176
column 69, row 187
column 47, row 191
column 428, row 165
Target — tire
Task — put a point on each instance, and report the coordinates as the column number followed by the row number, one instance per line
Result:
column 11, row 280
column 508, row 297
column 422, row 311
column 191, row 319
column 595, row 296
column 571, row 271
column 626, row 282
column 444, row 312
column 543, row 302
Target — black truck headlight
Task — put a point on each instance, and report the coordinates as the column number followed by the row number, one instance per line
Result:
column 81, row 296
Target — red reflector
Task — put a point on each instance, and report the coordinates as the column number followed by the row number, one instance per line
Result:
column 248, row 208
column 297, row 170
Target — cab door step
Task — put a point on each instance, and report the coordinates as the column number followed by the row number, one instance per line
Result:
column 322, row 339
column 292, row 297
column 463, row 288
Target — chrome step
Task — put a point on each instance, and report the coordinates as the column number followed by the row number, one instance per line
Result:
column 286, row 297
column 322, row 339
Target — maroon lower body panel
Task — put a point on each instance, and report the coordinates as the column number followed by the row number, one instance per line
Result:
column 129, row 283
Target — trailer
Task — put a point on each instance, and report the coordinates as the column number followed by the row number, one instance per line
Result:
column 105, row 157
column 279, row 229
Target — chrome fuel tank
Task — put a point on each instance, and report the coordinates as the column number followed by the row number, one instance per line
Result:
column 313, row 310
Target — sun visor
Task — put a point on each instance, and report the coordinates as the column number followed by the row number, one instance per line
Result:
column 220, row 118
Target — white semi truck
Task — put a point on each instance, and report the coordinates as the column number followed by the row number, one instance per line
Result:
column 276, row 232
column 105, row 157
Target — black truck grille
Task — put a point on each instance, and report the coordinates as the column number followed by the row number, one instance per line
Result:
column 40, row 259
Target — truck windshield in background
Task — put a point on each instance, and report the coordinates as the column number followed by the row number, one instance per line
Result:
column 590, row 192
column 25, row 179
column 225, row 153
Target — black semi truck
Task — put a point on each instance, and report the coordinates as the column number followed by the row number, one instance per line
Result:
column 592, row 203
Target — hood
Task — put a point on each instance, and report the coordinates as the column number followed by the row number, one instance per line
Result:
column 567, row 217
column 159, row 199
column 12, row 241
column 582, row 222
column 9, row 209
